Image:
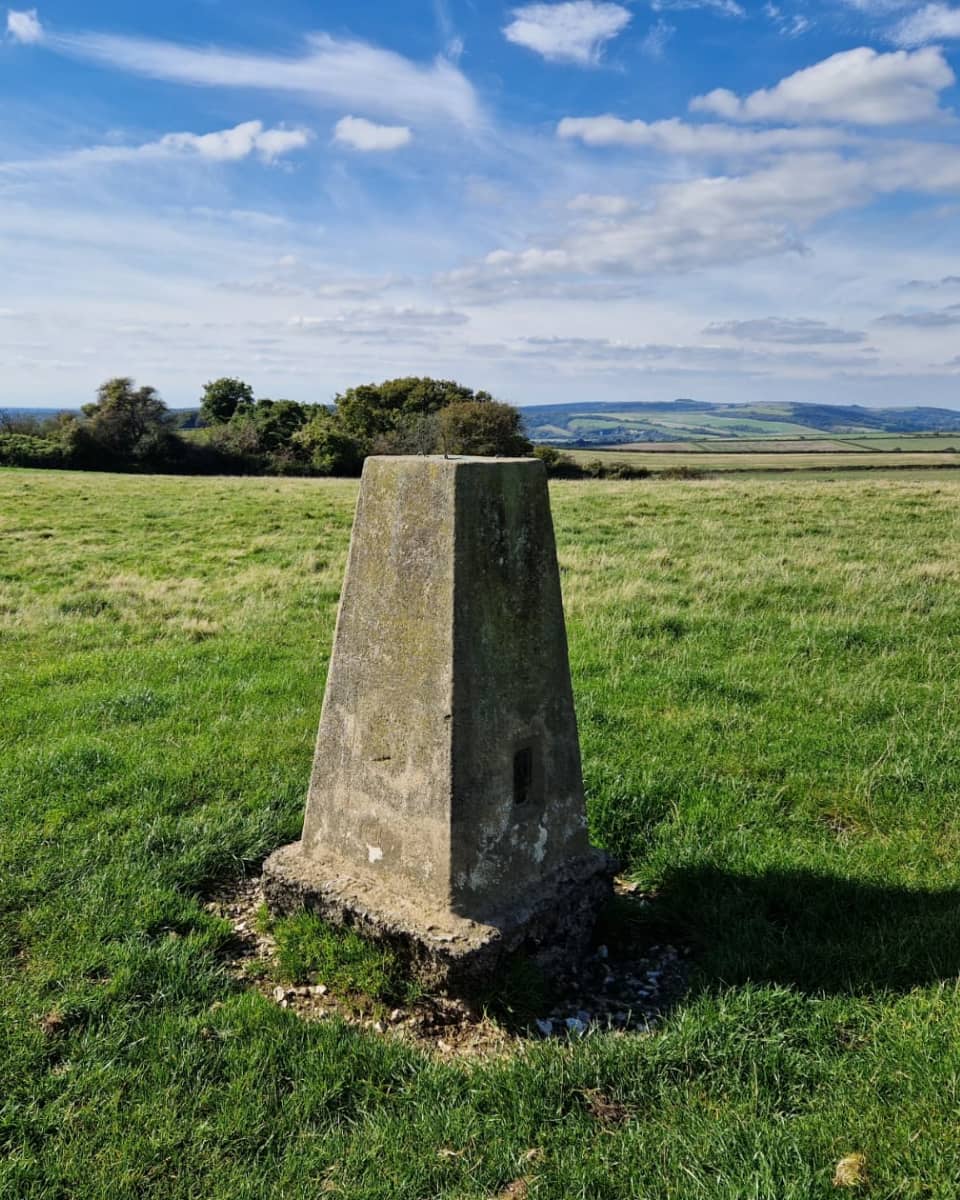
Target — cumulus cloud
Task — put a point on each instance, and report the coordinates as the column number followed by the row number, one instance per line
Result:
column 859, row 86
column 575, row 31
column 365, row 135
column 791, row 331
column 224, row 145
column 24, row 26
column 933, row 23
column 230, row 145
column 725, row 219
column 332, row 71
column 674, row 136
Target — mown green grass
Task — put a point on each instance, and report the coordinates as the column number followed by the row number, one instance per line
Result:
column 308, row 948
column 767, row 680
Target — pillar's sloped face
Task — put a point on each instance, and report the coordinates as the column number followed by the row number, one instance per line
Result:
column 380, row 791
column 518, row 805
column 447, row 762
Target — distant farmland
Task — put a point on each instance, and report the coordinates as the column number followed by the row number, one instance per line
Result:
column 689, row 426
column 769, row 459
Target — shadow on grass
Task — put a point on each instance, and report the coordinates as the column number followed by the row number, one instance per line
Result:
column 817, row 933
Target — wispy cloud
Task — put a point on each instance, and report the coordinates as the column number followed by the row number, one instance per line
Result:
column 361, row 134
column 933, row 23
column 790, row 331
column 601, row 205
column 943, row 318
column 726, row 8
column 575, row 31
column 377, row 321
column 332, row 72
column 658, row 35
column 862, row 87
column 951, row 282
column 789, row 24
column 674, row 136
column 453, row 42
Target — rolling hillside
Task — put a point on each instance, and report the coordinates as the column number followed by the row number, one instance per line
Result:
column 687, row 423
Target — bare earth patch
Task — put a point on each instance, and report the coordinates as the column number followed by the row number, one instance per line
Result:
column 623, row 993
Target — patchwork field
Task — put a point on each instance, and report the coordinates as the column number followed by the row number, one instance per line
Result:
column 693, row 422
column 767, row 674
column 777, row 459
column 862, row 443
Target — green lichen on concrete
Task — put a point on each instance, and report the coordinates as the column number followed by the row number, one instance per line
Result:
column 449, row 681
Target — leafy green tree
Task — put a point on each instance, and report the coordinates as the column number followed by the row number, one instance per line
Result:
column 222, row 398
column 413, row 415
column 380, row 409
column 326, row 447
column 126, row 423
column 485, row 428
column 276, row 421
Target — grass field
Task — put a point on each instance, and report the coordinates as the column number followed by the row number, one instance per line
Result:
column 903, row 441
column 705, row 460
column 742, row 445
column 767, row 674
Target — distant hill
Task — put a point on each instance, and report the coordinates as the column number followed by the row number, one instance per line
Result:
column 186, row 418
column 41, row 414
column 615, row 424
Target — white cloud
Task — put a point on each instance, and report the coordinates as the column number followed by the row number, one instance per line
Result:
column 726, row 8
column 789, row 25
column 362, row 134
column 658, row 35
column 378, row 322
column 790, row 331
column 724, row 219
column 687, row 357
column 674, row 136
column 575, row 31
column 230, row 145
column 24, row 26
column 602, row 206
column 332, row 72
column 859, row 86
column 225, row 145
column 933, row 23
column 879, row 8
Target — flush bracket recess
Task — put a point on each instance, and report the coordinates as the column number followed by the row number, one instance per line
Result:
column 528, row 792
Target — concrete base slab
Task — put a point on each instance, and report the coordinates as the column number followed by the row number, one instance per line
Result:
column 551, row 923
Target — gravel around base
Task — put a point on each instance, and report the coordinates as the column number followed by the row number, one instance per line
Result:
column 613, row 991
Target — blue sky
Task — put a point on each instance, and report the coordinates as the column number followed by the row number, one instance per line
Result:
column 724, row 199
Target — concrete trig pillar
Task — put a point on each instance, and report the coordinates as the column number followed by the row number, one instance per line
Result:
column 446, row 811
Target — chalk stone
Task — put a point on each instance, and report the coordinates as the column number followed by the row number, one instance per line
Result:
column 446, row 813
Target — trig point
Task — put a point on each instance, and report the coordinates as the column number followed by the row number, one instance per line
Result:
column 446, row 813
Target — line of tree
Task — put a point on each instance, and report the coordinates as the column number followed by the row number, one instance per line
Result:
column 130, row 428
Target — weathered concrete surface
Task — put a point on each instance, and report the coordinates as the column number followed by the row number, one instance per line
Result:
column 446, row 811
